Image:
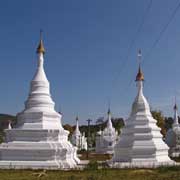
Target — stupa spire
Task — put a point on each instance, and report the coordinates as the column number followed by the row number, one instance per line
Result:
column 109, row 122
column 140, row 102
column 176, row 122
column 39, row 95
column 77, row 125
column 40, row 74
column 9, row 125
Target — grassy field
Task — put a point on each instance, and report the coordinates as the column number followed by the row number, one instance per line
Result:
column 163, row 173
column 91, row 172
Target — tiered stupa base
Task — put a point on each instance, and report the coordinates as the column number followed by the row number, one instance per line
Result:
column 174, row 151
column 140, row 146
column 37, row 149
column 141, row 164
column 147, row 157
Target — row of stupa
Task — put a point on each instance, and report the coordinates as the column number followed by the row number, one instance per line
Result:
column 105, row 139
column 39, row 140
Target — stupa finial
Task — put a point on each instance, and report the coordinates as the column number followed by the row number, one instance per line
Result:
column 77, row 118
column 109, row 123
column 77, row 131
column 109, row 109
column 175, row 105
column 176, row 121
column 9, row 125
column 140, row 75
column 40, row 48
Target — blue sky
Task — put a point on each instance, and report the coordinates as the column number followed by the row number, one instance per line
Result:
column 86, row 44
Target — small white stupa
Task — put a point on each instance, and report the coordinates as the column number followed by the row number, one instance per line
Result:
column 106, row 139
column 140, row 143
column 173, row 136
column 9, row 125
column 39, row 140
column 79, row 140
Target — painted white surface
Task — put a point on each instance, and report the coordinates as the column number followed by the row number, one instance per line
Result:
column 140, row 142
column 106, row 139
column 173, row 136
column 79, row 140
column 38, row 140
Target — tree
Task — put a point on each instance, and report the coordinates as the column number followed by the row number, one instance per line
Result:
column 168, row 122
column 118, row 124
column 68, row 128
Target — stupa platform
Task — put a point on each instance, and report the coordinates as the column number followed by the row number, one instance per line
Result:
column 141, row 164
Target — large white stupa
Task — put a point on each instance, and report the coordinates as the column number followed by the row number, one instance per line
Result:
column 106, row 139
column 140, row 143
column 39, row 140
column 173, row 136
column 79, row 140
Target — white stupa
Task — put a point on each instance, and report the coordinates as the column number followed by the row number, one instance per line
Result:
column 9, row 125
column 140, row 143
column 39, row 140
column 79, row 140
column 106, row 139
column 173, row 136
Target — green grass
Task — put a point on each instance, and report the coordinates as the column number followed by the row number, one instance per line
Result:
column 163, row 173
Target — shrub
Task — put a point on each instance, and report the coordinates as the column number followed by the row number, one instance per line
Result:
column 92, row 165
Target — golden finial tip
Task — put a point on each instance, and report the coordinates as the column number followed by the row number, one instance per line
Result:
column 140, row 75
column 40, row 48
